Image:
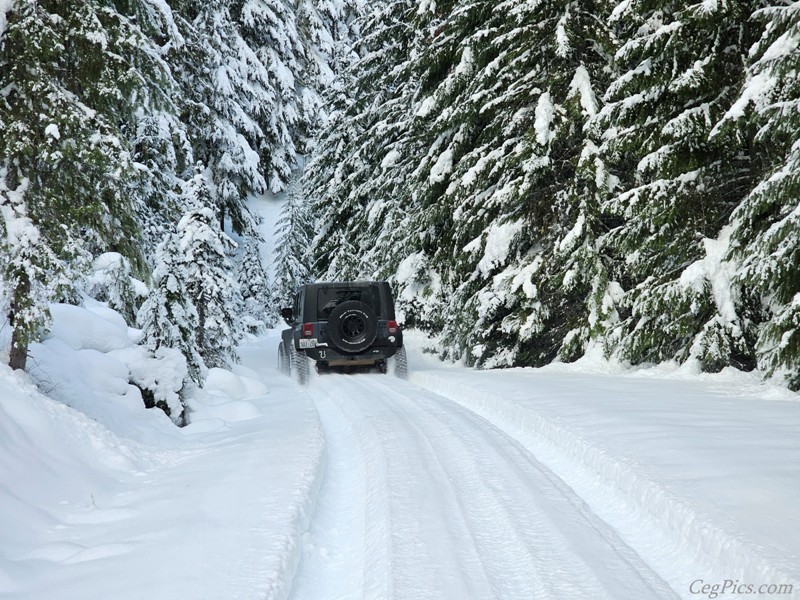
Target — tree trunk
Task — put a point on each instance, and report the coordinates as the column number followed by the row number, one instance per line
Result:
column 201, row 327
column 19, row 353
column 19, row 340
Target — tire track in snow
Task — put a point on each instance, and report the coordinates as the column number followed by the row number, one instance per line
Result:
column 557, row 541
column 664, row 529
column 465, row 510
column 345, row 554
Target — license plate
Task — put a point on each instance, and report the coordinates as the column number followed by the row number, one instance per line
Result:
column 308, row 343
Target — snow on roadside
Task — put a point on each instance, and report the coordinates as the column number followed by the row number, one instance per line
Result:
column 102, row 498
column 698, row 474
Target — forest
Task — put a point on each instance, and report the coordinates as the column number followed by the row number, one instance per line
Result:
column 542, row 179
column 538, row 179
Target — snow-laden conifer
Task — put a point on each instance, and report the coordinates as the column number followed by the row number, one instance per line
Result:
column 261, row 80
column 203, row 260
column 289, row 104
column 32, row 273
column 235, row 90
column 251, row 277
column 68, row 74
column 680, row 65
column 329, row 28
column 162, row 152
column 59, row 122
column 293, row 233
column 355, row 171
column 766, row 225
column 167, row 318
column 506, row 90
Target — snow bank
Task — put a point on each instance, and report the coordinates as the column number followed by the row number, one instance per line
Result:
column 698, row 474
column 90, row 362
column 79, row 328
column 103, row 498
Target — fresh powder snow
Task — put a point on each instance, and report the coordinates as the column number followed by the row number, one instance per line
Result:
column 544, row 119
column 442, row 167
column 565, row 481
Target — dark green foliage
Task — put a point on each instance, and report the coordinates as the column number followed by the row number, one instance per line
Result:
column 678, row 183
column 60, row 130
column 766, row 225
column 66, row 167
column 542, row 178
column 106, row 105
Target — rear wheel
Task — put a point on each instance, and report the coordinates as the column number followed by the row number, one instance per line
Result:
column 299, row 366
column 400, row 363
column 283, row 360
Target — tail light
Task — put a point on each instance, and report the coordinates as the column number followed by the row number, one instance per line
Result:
column 392, row 326
column 308, row 329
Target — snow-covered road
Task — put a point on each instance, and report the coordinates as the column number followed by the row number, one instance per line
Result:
column 571, row 481
column 424, row 499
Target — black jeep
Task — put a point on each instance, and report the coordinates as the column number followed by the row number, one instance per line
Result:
column 342, row 325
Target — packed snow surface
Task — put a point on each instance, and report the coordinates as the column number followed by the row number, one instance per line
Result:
column 572, row 481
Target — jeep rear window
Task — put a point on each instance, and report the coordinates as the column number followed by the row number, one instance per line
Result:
column 329, row 297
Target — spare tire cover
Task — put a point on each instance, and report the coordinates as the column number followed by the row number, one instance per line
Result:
column 352, row 326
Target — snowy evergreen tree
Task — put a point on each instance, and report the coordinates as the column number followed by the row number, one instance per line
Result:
column 168, row 318
column 329, row 29
column 255, row 290
column 353, row 171
column 111, row 282
column 680, row 68
column 228, row 136
column 64, row 87
column 162, row 150
column 289, row 106
column 67, row 95
column 32, row 272
column 291, row 258
column 261, row 82
column 766, row 225
column 203, row 258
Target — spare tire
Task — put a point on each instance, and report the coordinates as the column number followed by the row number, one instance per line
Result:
column 352, row 326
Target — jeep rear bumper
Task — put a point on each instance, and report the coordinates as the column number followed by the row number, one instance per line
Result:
column 337, row 359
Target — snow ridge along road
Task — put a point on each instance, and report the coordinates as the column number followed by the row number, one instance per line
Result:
column 423, row 498
column 699, row 478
